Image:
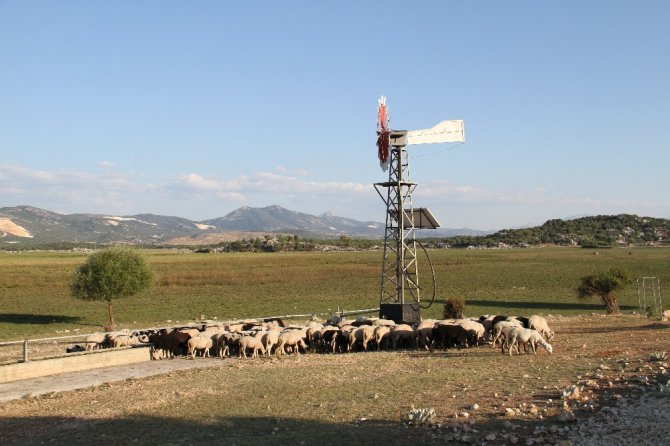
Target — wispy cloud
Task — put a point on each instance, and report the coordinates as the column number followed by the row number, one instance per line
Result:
column 198, row 196
column 128, row 192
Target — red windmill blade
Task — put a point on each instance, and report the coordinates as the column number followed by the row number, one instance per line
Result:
column 383, row 133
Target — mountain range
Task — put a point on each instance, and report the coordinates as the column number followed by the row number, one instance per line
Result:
column 27, row 225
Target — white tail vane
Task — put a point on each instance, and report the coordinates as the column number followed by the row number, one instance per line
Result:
column 445, row 131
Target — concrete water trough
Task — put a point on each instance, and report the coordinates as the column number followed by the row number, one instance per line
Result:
column 74, row 362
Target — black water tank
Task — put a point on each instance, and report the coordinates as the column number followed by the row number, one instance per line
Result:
column 401, row 313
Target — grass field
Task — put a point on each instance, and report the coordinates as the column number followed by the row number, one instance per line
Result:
column 35, row 299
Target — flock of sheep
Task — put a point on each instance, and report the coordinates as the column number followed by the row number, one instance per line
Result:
column 270, row 337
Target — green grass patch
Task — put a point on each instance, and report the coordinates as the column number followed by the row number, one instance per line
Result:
column 35, row 297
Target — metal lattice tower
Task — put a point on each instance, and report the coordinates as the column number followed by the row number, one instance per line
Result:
column 400, row 292
column 400, row 273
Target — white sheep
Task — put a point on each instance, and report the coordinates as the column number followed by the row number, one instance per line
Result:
column 363, row 335
column 193, row 332
column 536, row 339
column 382, row 333
column 540, row 324
column 293, row 339
column 424, row 333
column 94, row 341
column 526, row 337
column 199, row 343
column 501, row 330
column 253, row 343
column 383, row 322
column 271, row 340
column 475, row 329
column 124, row 340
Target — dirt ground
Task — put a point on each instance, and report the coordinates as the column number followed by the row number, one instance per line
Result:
column 600, row 386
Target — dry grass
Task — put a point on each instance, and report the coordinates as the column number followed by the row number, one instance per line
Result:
column 35, row 298
column 360, row 398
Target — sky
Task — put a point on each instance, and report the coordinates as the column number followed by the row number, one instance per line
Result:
column 194, row 109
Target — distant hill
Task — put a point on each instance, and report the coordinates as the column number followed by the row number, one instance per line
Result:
column 595, row 231
column 279, row 219
column 30, row 226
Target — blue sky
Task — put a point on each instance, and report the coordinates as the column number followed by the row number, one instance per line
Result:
column 194, row 109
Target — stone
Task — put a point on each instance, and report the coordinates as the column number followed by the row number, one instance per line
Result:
column 566, row 416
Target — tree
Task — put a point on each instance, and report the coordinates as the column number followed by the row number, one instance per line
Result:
column 109, row 274
column 606, row 285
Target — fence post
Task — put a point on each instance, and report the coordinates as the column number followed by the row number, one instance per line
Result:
column 25, row 350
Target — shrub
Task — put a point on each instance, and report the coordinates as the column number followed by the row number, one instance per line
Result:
column 605, row 285
column 454, row 307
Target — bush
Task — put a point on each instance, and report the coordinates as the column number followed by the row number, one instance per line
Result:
column 605, row 285
column 454, row 307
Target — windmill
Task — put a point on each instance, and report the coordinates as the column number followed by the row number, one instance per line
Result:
column 401, row 292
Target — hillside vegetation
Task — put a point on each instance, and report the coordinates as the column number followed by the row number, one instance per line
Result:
column 587, row 232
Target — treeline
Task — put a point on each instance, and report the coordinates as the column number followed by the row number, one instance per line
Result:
column 288, row 243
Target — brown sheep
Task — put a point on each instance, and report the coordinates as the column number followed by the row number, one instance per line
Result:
column 403, row 334
column 227, row 342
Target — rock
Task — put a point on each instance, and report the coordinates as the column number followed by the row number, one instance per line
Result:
column 571, row 392
column 491, row 437
column 566, row 416
column 509, row 412
column 475, row 406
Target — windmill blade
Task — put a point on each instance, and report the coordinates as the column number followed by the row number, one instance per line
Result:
column 445, row 131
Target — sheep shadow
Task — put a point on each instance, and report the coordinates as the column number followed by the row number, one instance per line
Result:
column 616, row 328
column 206, row 429
column 37, row 319
column 529, row 305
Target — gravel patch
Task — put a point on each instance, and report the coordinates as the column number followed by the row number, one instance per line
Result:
column 641, row 421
